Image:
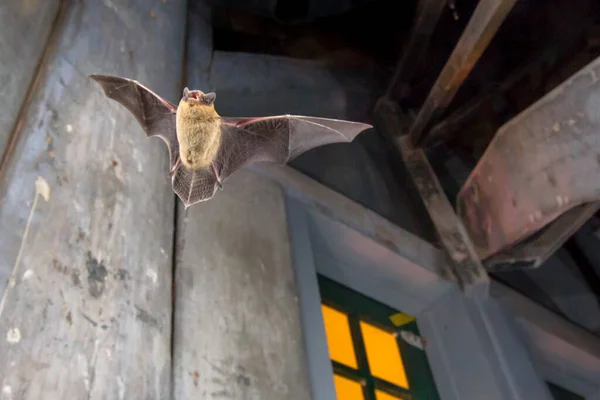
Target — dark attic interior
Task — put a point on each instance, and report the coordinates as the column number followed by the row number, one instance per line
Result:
column 337, row 58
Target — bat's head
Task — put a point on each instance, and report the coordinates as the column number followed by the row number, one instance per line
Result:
column 197, row 97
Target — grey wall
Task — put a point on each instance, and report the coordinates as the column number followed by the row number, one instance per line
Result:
column 87, row 312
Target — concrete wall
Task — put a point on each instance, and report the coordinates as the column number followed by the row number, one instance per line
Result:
column 87, row 311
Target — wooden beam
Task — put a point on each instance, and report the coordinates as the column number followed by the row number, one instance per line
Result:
column 87, row 313
column 467, row 267
column 539, row 166
column 485, row 21
column 443, row 130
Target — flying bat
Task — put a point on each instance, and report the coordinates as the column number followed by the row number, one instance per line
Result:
column 206, row 148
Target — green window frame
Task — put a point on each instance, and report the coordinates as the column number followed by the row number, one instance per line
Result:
column 360, row 307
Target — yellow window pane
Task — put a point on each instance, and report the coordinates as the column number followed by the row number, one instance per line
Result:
column 339, row 339
column 347, row 389
column 383, row 355
column 379, row 395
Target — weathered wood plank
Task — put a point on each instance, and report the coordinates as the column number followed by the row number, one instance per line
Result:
column 483, row 24
column 24, row 30
column 90, row 314
column 467, row 266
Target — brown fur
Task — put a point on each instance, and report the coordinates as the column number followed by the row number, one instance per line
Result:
column 198, row 133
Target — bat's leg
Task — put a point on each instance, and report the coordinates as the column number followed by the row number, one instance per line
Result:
column 177, row 164
column 214, row 170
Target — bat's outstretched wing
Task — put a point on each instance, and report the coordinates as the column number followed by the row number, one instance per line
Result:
column 276, row 139
column 155, row 114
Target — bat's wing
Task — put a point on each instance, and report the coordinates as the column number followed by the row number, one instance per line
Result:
column 194, row 186
column 276, row 139
column 156, row 115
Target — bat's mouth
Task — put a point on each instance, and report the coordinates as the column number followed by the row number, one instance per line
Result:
column 197, row 96
column 194, row 95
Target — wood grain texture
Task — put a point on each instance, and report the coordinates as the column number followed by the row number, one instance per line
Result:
column 90, row 313
column 24, row 29
column 237, row 325
column 467, row 267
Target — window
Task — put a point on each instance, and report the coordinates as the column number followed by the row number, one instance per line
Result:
column 372, row 358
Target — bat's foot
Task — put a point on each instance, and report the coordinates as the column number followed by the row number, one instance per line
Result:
column 177, row 164
column 214, row 170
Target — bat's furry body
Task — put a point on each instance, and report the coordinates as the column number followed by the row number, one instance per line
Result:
column 199, row 134
column 205, row 148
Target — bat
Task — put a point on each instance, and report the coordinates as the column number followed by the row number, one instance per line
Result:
column 206, row 148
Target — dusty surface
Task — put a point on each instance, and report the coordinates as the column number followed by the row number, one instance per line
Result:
column 90, row 314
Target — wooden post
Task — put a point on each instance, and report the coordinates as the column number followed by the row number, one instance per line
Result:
column 87, row 312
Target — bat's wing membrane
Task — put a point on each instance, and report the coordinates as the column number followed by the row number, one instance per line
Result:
column 194, row 186
column 278, row 139
column 156, row 115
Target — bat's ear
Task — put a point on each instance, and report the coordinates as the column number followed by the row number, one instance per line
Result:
column 209, row 98
column 186, row 93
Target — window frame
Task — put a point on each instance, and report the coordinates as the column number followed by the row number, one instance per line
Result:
column 361, row 308
column 333, row 236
